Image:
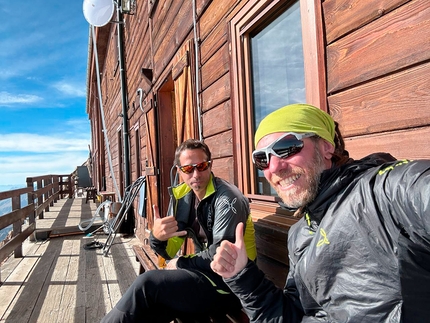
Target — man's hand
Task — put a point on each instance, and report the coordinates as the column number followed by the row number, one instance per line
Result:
column 230, row 258
column 165, row 228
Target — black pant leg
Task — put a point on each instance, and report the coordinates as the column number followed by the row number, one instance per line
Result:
column 161, row 295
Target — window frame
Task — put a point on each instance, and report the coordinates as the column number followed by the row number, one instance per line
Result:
column 254, row 14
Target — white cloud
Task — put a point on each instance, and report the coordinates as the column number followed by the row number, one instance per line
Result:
column 27, row 142
column 15, row 169
column 7, row 98
column 70, row 89
column 25, row 155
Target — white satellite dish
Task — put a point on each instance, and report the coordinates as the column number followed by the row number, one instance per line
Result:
column 98, row 12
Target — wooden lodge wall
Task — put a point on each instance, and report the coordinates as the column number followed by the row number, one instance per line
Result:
column 377, row 62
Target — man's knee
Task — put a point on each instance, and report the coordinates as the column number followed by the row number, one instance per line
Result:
column 137, row 292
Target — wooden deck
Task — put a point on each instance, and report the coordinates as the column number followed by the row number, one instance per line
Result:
column 57, row 280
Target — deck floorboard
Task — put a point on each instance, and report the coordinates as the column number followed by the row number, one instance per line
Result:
column 58, row 280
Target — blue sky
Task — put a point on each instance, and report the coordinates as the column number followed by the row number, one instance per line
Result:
column 44, row 128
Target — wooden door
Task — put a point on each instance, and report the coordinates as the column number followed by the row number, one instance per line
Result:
column 149, row 150
column 184, row 84
column 177, row 117
column 185, row 103
column 171, row 121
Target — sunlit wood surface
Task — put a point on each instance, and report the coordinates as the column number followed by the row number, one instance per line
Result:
column 57, row 280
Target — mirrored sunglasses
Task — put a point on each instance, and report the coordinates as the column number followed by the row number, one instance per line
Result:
column 188, row 169
column 285, row 146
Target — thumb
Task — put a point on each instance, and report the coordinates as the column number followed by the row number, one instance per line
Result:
column 156, row 211
column 239, row 236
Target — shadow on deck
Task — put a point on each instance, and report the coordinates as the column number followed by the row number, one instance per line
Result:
column 57, row 280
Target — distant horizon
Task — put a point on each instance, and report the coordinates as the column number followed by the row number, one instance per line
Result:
column 24, row 183
column 11, row 186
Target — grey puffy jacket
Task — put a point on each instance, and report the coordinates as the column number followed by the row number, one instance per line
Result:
column 361, row 253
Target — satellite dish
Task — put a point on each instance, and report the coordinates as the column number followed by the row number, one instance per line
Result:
column 98, row 12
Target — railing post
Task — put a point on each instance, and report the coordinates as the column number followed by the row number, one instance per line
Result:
column 17, row 226
column 48, row 182
column 66, row 185
column 71, row 186
column 56, row 188
column 32, row 216
column 61, row 186
column 31, row 200
column 40, row 197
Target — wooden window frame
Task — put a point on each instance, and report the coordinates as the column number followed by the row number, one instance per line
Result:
column 247, row 19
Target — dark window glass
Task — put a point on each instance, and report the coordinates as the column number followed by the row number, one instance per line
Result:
column 277, row 70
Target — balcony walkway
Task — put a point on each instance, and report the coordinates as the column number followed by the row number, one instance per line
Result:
column 58, row 280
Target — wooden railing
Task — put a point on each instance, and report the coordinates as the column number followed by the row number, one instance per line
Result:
column 42, row 192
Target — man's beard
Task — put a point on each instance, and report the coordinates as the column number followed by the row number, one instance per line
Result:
column 310, row 189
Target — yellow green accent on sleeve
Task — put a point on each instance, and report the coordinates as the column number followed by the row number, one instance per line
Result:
column 173, row 245
column 324, row 239
column 249, row 239
column 391, row 167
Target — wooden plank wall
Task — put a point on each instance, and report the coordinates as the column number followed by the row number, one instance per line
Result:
column 145, row 35
column 215, row 85
column 377, row 85
column 378, row 62
column 173, row 20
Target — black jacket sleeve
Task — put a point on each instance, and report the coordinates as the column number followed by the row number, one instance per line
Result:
column 230, row 208
column 262, row 300
column 158, row 246
column 406, row 197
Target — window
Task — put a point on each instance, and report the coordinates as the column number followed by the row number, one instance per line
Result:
column 277, row 70
column 277, row 66
column 278, row 59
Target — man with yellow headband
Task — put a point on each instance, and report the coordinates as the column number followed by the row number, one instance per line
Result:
column 361, row 249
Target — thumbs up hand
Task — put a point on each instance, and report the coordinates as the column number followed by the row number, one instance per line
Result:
column 165, row 228
column 230, row 258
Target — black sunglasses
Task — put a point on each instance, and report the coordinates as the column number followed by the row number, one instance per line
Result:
column 285, row 146
column 188, row 169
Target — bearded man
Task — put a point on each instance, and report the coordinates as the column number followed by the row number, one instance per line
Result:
column 361, row 249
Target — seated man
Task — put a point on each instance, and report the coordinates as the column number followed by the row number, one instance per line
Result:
column 207, row 209
column 361, row 249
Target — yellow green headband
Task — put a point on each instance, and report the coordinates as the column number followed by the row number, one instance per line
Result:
column 298, row 118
